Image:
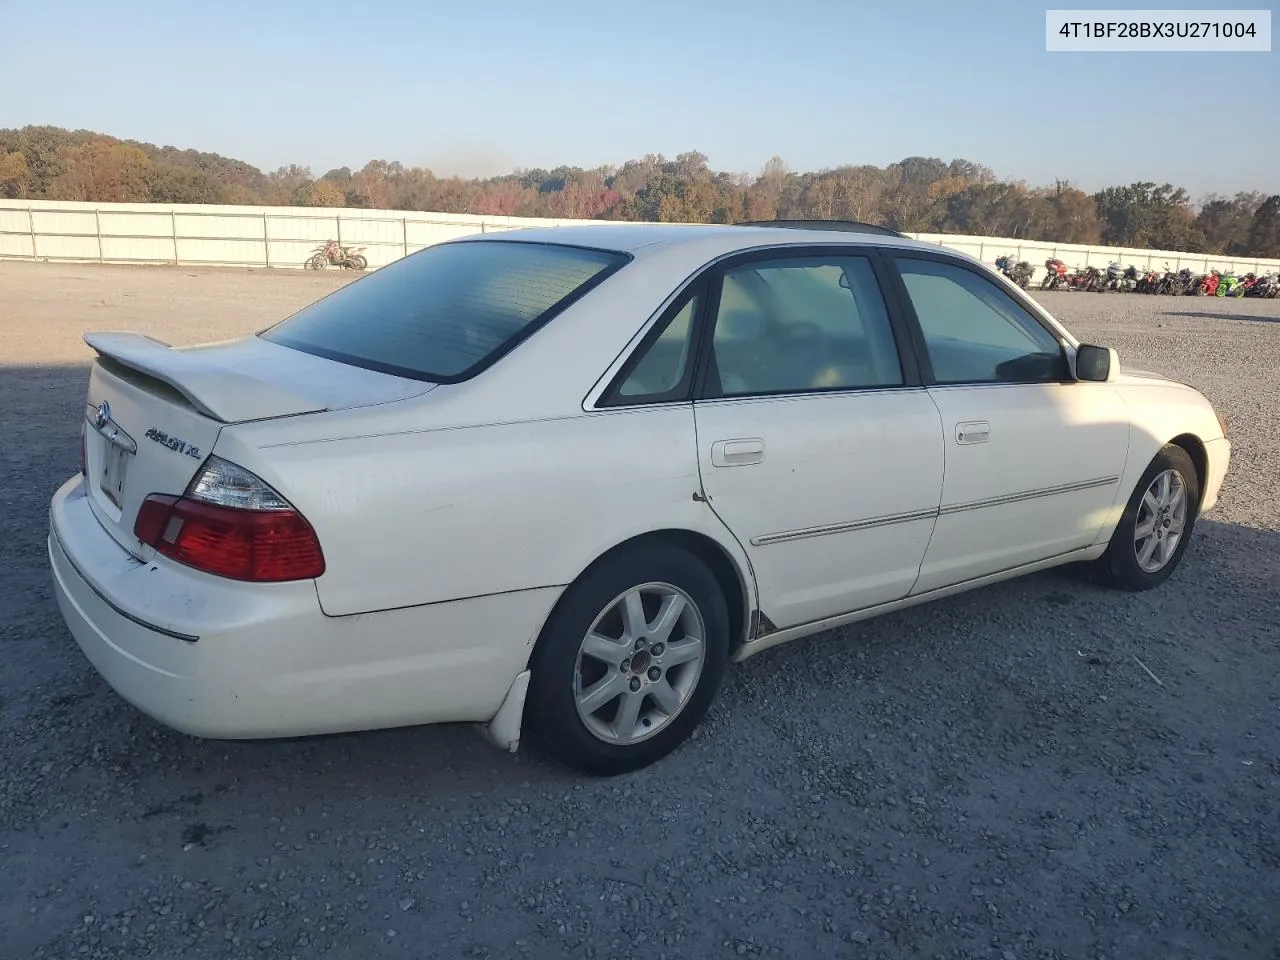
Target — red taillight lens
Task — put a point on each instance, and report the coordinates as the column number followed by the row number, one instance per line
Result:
column 256, row 545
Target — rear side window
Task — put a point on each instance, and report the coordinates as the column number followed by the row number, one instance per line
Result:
column 449, row 311
column 662, row 370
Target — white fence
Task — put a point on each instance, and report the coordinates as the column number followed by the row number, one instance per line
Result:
column 1035, row 252
column 56, row 230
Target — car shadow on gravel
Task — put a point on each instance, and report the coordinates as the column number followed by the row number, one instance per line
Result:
column 1208, row 315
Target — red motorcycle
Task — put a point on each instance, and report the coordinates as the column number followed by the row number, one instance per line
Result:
column 1089, row 279
column 1055, row 276
column 1209, row 284
column 1245, row 287
column 348, row 258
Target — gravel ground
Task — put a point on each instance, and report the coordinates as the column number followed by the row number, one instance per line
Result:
column 988, row 776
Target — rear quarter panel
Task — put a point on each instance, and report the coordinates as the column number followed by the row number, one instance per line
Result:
column 440, row 514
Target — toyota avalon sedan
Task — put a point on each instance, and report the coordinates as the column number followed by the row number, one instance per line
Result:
column 561, row 478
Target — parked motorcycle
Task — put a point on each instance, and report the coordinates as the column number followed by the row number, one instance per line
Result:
column 1247, row 283
column 1226, row 284
column 1093, row 280
column 1121, row 279
column 1209, row 284
column 1020, row 273
column 1182, row 283
column 1055, row 277
column 1078, row 279
column 349, row 258
column 1267, row 287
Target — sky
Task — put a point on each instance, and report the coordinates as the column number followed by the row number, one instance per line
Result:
column 489, row 86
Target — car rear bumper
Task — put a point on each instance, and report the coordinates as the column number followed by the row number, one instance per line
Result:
column 217, row 658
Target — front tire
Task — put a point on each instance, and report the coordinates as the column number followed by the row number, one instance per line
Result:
column 1155, row 528
column 629, row 661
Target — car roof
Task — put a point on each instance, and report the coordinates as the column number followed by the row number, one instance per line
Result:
column 715, row 239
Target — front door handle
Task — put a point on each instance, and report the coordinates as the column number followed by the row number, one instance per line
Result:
column 973, row 431
column 736, row 453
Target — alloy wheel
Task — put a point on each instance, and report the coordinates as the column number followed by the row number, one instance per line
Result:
column 639, row 663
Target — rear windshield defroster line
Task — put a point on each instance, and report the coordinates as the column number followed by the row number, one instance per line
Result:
column 447, row 312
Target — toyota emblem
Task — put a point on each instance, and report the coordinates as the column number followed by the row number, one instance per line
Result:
column 102, row 416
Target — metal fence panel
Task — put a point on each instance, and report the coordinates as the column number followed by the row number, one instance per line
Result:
column 138, row 249
column 287, row 236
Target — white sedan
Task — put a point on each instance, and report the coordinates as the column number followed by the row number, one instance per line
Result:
column 562, row 477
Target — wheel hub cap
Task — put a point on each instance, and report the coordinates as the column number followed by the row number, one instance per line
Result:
column 639, row 664
column 1162, row 516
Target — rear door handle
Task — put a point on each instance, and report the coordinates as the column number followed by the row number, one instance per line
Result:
column 736, row 453
column 973, row 431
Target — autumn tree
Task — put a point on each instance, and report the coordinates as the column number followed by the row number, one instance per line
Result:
column 1146, row 215
column 284, row 182
column 1264, row 231
column 914, row 194
column 14, row 175
column 167, row 183
column 1225, row 223
column 326, row 194
column 105, row 171
column 773, row 179
column 1074, row 215
column 372, row 185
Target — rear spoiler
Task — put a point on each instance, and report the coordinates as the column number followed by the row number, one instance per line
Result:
column 216, row 391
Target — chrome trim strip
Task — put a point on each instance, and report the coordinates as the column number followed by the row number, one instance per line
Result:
column 110, row 431
column 766, row 640
column 850, row 526
column 872, row 522
column 814, row 394
column 1028, row 495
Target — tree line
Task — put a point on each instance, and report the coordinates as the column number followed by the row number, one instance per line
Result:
column 915, row 194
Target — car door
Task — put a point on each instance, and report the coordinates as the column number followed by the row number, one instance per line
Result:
column 818, row 447
column 1033, row 457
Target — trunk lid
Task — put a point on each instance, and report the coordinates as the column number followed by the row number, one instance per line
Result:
column 154, row 412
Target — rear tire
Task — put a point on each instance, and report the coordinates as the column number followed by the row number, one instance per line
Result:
column 610, row 689
column 1155, row 528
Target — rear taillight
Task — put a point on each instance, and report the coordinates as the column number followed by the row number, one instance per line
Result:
column 231, row 524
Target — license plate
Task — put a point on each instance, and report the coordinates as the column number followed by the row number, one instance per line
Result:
column 115, row 463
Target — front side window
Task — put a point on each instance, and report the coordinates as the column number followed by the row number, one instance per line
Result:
column 447, row 311
column 974, row 331
column 800, row 324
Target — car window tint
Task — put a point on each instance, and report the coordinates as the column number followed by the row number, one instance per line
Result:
column 446, row 309
column 661, row 371
column 798, row 324
column 974, row 331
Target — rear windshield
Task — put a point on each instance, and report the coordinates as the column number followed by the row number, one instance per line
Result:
column 447, row 312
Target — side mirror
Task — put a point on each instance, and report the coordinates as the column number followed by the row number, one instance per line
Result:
column 1097, row 364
